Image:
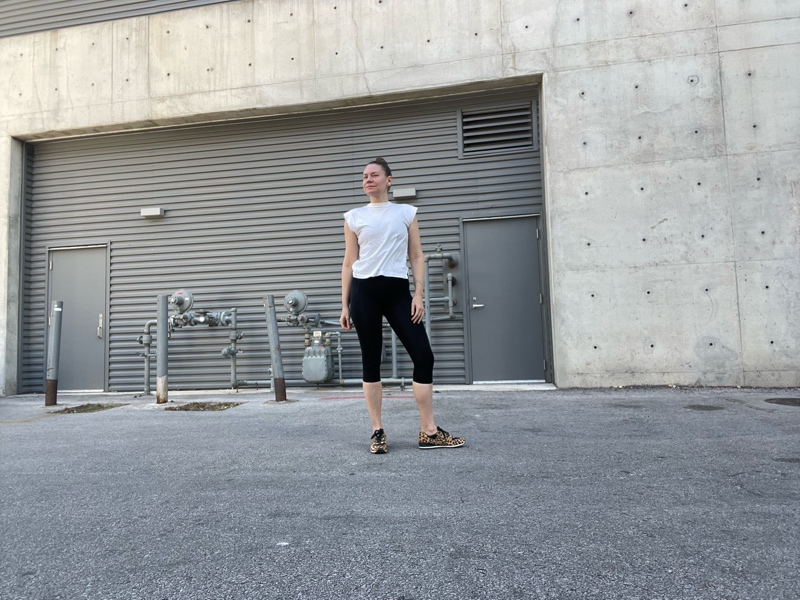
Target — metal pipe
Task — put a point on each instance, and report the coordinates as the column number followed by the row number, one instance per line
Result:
column 394, row 354
column 342, row 382
column 450, row 258
column 147, row 341
column 162, row 334
column 338, row 335
column 400, row 380
column 53, row 355
column 233, row 336
column 426, row 298
column 450, row 299
column 279, row 387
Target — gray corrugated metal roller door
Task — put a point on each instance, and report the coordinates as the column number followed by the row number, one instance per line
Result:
column 252, row 208
column 19, row 17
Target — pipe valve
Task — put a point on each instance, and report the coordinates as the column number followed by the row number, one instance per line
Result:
column 181, row 301
column 295, row 302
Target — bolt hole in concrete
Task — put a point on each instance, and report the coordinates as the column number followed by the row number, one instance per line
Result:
column 703, row 407
column 203, row 406
column 85, row 408
column 795, row 402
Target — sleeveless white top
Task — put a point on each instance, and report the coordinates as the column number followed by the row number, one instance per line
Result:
column 382, row 231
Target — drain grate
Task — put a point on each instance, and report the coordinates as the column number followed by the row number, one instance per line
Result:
column 784, row 401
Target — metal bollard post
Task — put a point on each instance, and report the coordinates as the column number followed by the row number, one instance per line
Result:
column 53, row 352
column 162, row 329
column 275, row 350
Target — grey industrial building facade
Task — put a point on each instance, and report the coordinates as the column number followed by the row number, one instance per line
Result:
column 255, row 207
column 617, row 181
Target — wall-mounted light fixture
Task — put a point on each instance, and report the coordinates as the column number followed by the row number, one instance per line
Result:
column 404, row 193
column 152, row 212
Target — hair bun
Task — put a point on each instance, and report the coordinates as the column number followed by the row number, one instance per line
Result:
column 382, row 162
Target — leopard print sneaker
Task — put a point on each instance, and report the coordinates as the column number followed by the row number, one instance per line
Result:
column 378, row 444
column 441, row 439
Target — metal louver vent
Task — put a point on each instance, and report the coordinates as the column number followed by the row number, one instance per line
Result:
column 492, row 130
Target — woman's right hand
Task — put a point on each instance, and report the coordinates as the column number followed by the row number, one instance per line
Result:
column 344, row 319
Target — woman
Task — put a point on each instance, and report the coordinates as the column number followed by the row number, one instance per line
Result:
column 378, row 239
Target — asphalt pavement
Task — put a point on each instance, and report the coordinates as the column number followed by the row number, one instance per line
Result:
column 615, row 493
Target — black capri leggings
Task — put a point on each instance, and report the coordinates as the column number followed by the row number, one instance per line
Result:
column 377, row 297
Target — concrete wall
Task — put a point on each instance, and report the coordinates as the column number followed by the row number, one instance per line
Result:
column 10, row 248
column 671, row 131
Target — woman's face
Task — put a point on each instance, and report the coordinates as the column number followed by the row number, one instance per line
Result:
column 375, row 182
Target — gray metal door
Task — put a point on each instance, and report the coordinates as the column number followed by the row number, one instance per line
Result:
column 78, row 278
column 503, row 299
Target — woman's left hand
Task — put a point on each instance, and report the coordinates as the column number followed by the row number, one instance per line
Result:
column 417, row 309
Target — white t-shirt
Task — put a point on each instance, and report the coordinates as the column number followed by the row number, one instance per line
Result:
column 382, row 231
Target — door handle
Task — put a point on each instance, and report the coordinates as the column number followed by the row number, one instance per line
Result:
column 478, row 305
column 100, row 326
